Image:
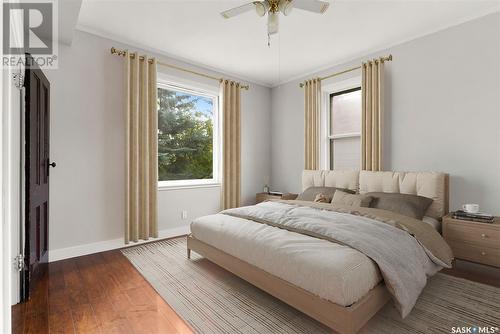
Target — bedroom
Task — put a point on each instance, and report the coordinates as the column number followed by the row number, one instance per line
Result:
column 435, row 99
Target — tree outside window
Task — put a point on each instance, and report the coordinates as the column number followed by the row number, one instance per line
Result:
column 185, row 135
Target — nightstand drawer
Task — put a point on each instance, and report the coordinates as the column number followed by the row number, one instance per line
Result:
column 478, row 235
column 475, row 253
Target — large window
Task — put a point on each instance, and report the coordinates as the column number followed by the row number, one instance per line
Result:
column 345, row 129
column 187, row 137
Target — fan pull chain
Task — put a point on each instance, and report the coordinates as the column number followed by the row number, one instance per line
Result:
column 268, row 40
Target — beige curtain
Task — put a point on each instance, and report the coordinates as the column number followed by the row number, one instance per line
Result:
column 372, row 88
column 312, row 90
column 141, row 147
column 231, row 144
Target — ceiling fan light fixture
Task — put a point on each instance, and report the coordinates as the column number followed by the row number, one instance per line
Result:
column 261, row 8
column 272, row 23
column 286, row 7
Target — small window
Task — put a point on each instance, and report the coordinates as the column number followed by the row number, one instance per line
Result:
column 187, row 137
column 345, row 129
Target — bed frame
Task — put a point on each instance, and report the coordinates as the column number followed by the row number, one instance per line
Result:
column 350, row 319
column 345, row 320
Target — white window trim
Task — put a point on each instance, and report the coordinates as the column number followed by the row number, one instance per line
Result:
column 345, row 135
column 198, row 183
column 187, row 184
column 325, row 141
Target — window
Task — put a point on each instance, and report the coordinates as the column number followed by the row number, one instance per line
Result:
column 187, row 137
column 345, row 129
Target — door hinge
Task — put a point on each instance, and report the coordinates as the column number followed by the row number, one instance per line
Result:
column 19, row 262
column 18, row 79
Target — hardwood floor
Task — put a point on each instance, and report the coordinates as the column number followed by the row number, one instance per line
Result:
column 98, row 293
column 475, row 272
column 104, row 293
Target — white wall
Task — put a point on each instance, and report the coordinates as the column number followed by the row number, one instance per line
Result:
column 442, row 112
column 87, row 142
column 12, row 119
column 10, row 178
column 442, row 100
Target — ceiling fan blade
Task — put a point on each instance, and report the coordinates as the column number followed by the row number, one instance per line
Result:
column 238, row 10
column 314, row 6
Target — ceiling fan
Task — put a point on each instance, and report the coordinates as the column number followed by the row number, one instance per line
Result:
column 273, row 7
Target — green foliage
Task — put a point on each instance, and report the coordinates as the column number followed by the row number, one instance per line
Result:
column 185, row 148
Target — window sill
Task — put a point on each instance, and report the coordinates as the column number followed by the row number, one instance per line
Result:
column 188, row 186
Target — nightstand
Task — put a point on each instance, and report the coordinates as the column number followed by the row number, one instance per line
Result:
column 472, row 241
column 261, row 197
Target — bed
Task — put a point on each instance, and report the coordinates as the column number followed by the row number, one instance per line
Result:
column 332, row 262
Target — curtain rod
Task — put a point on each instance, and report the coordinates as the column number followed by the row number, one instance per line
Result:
column 115, row 51
column 382, row 59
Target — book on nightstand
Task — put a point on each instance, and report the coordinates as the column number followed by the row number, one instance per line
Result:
column 275, row 193
column 473, row 217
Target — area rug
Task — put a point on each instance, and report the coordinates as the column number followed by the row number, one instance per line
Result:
column 212, row 300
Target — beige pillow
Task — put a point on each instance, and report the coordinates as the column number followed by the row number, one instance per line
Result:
column 409, row 205
column 310, row 193
column 343, row 198
column 322, row 198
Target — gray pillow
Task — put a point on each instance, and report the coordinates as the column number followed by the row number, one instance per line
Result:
column 343, row 198
column 409, row 205
column 310, row 193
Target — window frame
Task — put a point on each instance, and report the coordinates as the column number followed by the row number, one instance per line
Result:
column 198, row 183
column 334, row 88
column 331, row 96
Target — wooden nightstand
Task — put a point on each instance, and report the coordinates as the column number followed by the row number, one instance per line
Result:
column 472, row 241
column 261, row 197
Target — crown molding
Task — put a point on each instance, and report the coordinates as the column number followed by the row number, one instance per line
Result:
column 301, row 76
column 173, row 58
column 384, row 48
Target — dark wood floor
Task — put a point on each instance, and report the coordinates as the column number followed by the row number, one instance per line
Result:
column 475, row 272
column 98, row 293
column 104, row 293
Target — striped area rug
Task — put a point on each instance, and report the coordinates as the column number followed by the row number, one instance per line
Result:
column 212, row 300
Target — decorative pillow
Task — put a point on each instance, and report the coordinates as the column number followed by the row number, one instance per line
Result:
column 343, row 198
column 409, row 205
column 322, row 198
column 310, row 193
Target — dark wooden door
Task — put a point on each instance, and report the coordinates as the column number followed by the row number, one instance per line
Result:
column 37, row 126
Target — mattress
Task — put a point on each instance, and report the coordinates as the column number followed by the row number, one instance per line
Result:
column 329, row 270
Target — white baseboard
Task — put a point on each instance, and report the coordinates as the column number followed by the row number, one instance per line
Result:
column 102, row 246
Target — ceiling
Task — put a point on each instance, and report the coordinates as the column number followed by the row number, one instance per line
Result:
column 68, row 16
column 194, row 31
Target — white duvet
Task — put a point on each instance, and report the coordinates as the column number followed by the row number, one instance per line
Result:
column 332, row 271
column 301, row 243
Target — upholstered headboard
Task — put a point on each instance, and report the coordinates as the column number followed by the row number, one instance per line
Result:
column 428, row 184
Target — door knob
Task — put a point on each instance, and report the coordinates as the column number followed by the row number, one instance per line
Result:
column 52, row 164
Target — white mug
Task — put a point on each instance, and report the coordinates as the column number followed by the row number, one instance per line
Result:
column 471, row 208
